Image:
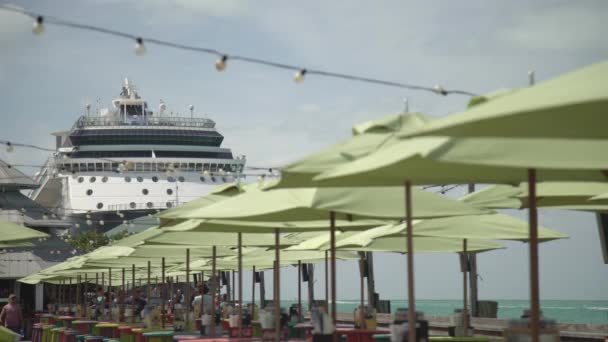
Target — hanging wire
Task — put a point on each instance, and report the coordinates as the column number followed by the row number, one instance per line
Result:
column 224, row 57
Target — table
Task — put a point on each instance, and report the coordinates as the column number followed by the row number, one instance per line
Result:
column 359, row 335
column 458, row 339
column 66, row 321
column 186, row 337
column 159, row 336
column 126, row 334
column 85, row 327
column 107, row 330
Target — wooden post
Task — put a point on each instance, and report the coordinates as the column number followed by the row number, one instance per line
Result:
column 213, row 290
column 299, row 291
column 410, row 262
column 253, row 295
column 362, row 285
column 311, row 285
column 277, row 298
column 187, row 294
column 473, row 297
column 109, row 297
column 240, row 268
column 533, row 246
column 78, row 279
column 326, row 282
column 133, row 290
column 122, row 298
column 371, row 283
column 465, row 287
column 334, row 309
column 163, row 293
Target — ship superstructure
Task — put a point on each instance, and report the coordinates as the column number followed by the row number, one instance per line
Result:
column 129, row 161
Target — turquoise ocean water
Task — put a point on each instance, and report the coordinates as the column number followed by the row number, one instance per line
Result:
column 565, row 311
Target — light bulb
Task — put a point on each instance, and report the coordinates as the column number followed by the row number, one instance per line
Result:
column 206, row 173
column 124, row 221
column 101, row 222
column 299, row 76
column 220, row 64
column 140, row 49
column 439, row 90
column 45, row 217
column 89, row 222
column 9, row 147
column 77, row 225
column 38, row 27
column 74, row 174
column 52, row 252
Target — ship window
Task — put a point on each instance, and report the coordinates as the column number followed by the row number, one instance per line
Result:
column 89, row 192
column 128, row 179
column 213, row 167
column 139, row 167
column 183, row 167
column 206, row 167
column 169, row 204
column 144, row 191
column 83, row 167
column 199, row 167
column 99, row 205
column 154, row 179
column 160, row 166
column 147, row 167
column 91, row 167
column 92, row 179
column 169, row 191
column 170, row 179
column 75, row 168
column 68, row 167
column 98, row 166
column 104, row 179
column 181, row 179
column 140, row 179
column 213, row 178
column 115, row 167
column 203, row 179
column 154, row 167
column 149, row 204
column 134, row 110
column 80, row 179
column 191, row 167
column 107, row 166
column 132, row 205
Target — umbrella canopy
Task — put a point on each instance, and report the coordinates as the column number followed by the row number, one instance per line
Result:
column 549, row 194
column 299, row 204
column 234, row 226
column 545, row 110
column 424, row 244
column 367, row 137
column 14, row 232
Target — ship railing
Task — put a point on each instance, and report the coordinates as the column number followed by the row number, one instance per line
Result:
column 142, row 206
column 87, row 121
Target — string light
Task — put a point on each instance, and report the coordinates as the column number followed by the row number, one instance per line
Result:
column 439, row 90
column 9, row 147
column 223, row 57
column 220, row 63
column 140, row 49
column 38, row 27
column 299, row 76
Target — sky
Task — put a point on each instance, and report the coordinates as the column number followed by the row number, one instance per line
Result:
column 478, row 46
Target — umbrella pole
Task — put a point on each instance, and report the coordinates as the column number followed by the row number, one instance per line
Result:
column 253, row 295
column 213, row 290
column 465, row 313
column 277, row 284
column 361, row 273
column 149, row 287
column 110, row 293
column 78, row 294
column 84, row 294
column 299, row 290
column 163, row 293
column 240, row 261
column 122, row 298
column 411, row 313
column 187, row 299
column 133, row 290
column 533, row 245
column 326, row 282
column 332, row 232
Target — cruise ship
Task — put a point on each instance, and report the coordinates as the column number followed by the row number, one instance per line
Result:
column 128, row 161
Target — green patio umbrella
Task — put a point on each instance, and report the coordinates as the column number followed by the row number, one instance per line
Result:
column 529, row 134
column 296, row 204
column 14, row 232
column 549, row 194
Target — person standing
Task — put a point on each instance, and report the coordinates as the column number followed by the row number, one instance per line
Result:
column 11, row 316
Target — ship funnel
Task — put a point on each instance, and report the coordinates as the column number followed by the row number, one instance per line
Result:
column 161, row 107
